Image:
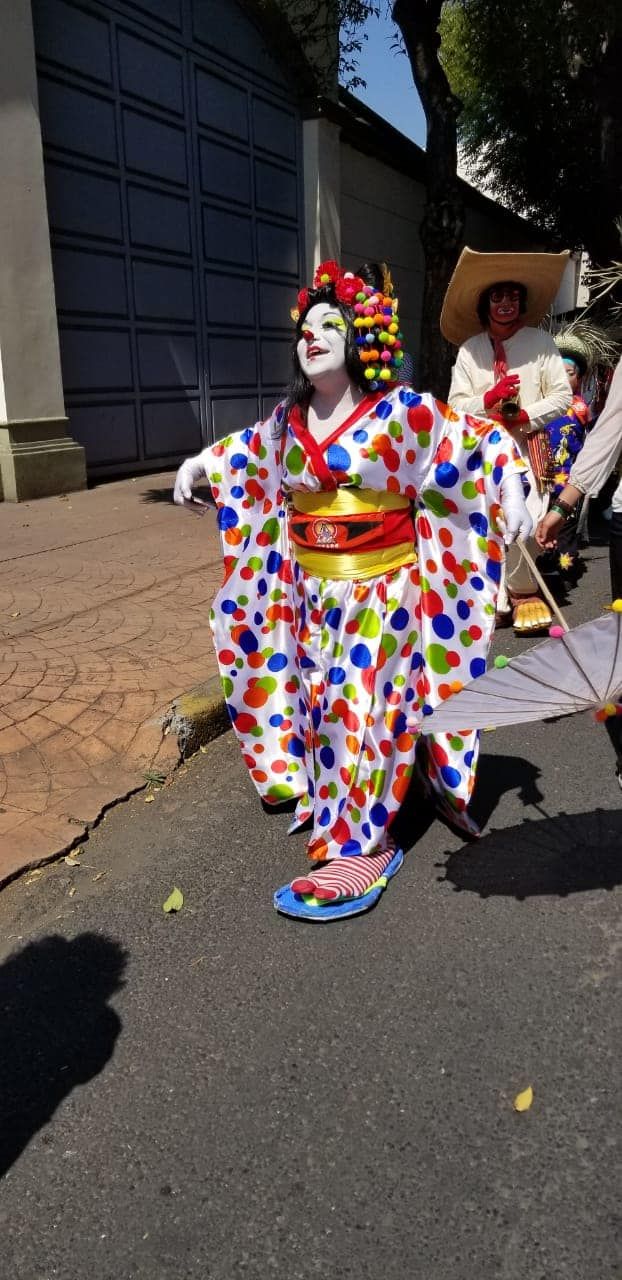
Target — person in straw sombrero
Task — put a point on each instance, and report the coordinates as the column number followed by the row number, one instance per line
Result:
column 510, row 370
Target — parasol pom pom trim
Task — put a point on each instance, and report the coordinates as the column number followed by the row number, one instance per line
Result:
column 556, row 632
column 616, row 606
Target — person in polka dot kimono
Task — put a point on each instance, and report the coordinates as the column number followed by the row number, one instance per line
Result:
column 362, row 527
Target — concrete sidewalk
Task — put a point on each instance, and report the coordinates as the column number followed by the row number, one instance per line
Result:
column 104, row 604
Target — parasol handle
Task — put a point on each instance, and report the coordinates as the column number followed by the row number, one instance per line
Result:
column 542, row 584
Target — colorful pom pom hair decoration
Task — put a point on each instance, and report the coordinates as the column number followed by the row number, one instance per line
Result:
column 375, row 319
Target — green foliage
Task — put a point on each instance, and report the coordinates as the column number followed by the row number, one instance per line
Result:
column 540, row 121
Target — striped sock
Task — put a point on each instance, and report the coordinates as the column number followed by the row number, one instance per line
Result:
column 344, row 877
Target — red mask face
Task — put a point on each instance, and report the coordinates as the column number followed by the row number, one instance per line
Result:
column 504, row 305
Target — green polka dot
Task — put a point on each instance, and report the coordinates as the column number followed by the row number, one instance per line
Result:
column 350, row 692
column 355, row 814
column 468, row 489
column 251, row 469
column 399, row 681
column 227, row 686
column 377, row 781
column 368, row 623
column 263, row 452
column 466, row 639
column 294, row 460
column 435, row 501
column 413, row 637
column 487, row 468
column 482, row 544
column 216, row 477
column 389, row 645
column 268, row 683
column 239, row 663
column 255, row 563
column 489, row 608
column 395, row 430
column 271, row 529
column 242, row 599
column 288, row 711
column 257, row 732
column 451, row 590
column 469, row 442
column 372, row 455
column 456, row 744
column 337, row 649
column 332, row 790
column 423, row 439
column 280, row 791
column 435, row 656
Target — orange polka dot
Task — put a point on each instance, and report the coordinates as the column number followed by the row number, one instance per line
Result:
column 255, row 697
column 255, row 659
column 404, row 742
column 445, row 536
column 399, row 788
column 259, row 775
column 431, row 566
column 352, row 744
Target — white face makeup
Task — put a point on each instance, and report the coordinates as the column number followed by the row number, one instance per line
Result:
column 321, row 347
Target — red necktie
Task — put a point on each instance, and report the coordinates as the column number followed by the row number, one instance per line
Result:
column 501, row 364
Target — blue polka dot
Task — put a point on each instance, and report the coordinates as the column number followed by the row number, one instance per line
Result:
column 494, row 437
column 227, row 518
column 248, row 642
column 409, row 398
column 477, row 667
column 361, row 436
column 333, row 618
column 399, row 619
column 306, row 662
column 450, row 776
column 296, row 747
column 479, row 522
column 384, row 409
column 327, row 757
column 277, row 662
column 426, row 709
column 274, row 562
column 336, row 675
column 229, row 606
column 462, row 609
column 246, row 435
column 410, row 693
column 262, row 587
column 387, row 689
column 468, row 758
column 338, row 458
column 324, row 818
column 400, row 725
column 366, row 830
column 316, row 717
column 258, row 619
column 497, row 475
column 417, row 661
column 351, row 849
column 276, row 720
column 446, row 475
column 379, row 815
column 474, row 462
column 237, row 491
column 443, row 626
column 493, row 569
column 360, row 656
column 477, row 583
column 239, row 461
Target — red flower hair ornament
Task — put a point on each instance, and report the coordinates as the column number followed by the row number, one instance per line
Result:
column 375, row 320
column 345, row 284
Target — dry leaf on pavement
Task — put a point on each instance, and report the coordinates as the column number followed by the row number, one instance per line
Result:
column 174, row 902
column 523, row 1101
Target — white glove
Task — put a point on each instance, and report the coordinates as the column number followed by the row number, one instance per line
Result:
column 516, row 521
column 190, row 471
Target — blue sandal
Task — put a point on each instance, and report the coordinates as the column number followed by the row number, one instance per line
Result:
column 305, row 906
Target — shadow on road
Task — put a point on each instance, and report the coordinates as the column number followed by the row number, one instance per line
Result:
column 58, row 1030
column 569, row 853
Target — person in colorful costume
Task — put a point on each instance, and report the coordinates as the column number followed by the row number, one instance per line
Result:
column 362, row 528
column 566, row 436
column 511, row 370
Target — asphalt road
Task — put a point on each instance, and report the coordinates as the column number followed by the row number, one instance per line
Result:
column 226, row 1093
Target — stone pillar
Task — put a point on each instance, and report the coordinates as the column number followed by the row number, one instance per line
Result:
column 322, row 182
column 37, row 456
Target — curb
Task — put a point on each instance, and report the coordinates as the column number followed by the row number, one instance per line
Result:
column 199, row 716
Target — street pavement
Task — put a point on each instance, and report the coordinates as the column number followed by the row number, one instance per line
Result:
column 226, row 1093
column 104, row 606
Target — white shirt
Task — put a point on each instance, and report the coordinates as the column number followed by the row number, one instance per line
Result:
column 545, row 391
column 602, row 447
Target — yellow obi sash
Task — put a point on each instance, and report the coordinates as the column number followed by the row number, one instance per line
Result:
column 330, row 511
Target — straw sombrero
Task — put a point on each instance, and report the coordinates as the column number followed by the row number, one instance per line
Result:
column 540, row 273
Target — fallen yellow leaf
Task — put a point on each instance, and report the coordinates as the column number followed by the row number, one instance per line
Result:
column 523, row 1101
column 149, row 799
column 174, row 902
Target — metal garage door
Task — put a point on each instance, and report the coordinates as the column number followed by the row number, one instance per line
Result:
column 173, row 171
